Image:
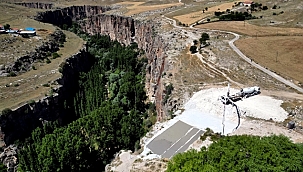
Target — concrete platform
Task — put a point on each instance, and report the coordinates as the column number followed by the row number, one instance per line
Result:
column 175, row 139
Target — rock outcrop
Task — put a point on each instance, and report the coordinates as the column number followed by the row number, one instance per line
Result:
column 9, row 158
column 39, row 5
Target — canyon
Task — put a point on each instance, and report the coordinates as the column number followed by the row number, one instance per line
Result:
column 19, row 123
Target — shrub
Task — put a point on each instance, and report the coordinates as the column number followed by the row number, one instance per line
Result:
column 193, row 49
column 45, row 85
column 31, row 102
column 55, row 55
column 264, row 8
column 34, row 68
column 6, row 26
column 48, row 61
column 60, row 70
column 6, row 111
column 12, row 74
column 16, row 85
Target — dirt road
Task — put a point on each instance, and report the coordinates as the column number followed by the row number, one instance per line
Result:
column 248, row 60
column 274, row 75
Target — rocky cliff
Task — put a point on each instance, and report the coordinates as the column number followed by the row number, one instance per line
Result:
column 39, row 5
column 67, row 15
column 125, row 30
column 19, row 123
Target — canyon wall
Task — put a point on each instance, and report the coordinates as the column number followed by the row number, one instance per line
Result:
column 67, row 15
column 126, row 30
column 39, row 5
column 19, row 123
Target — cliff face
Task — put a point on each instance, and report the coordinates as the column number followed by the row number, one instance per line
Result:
column 38, row 5
column 125, row 30
column 19, row 123
column 68, row 15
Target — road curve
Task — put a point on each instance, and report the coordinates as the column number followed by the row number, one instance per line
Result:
column 248, row 60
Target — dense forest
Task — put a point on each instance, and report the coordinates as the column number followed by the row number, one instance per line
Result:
column 109, row 109
column 242, row 153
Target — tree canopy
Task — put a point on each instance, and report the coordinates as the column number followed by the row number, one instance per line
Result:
column 109, row 109
column 242, row 153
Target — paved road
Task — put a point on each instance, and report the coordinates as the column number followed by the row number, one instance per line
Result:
column 248, row 60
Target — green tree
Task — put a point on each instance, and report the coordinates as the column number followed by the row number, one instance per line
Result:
column 242, row 153
column 193, row 49
column 7, row 26
column 204, row 38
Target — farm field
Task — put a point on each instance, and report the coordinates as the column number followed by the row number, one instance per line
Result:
column 139, row 7
column 278, row 53
column 264, row 44
column 193, row 17
column 245, row 28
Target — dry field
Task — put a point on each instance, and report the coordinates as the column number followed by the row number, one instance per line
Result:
column 276, row 48
column 139, row 7
column 193, row 17
column 281, row 54
column 245, row 28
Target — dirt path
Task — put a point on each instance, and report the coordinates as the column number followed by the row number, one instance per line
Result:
column 248, row 60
